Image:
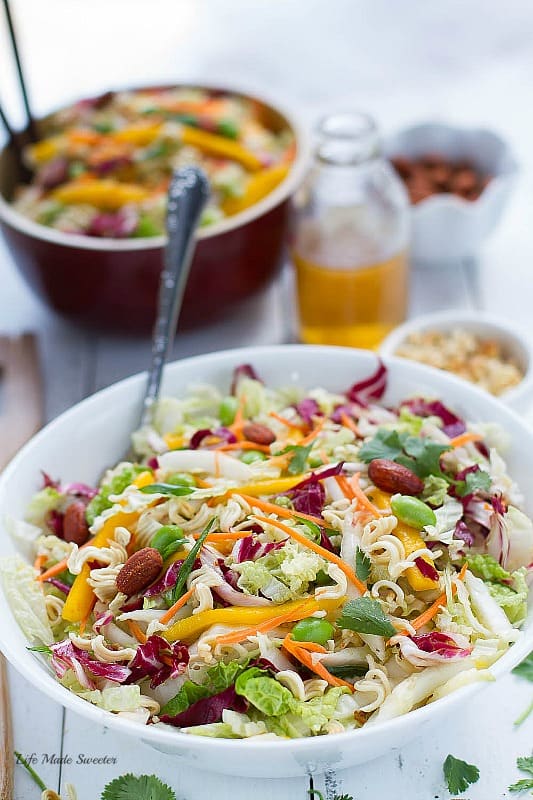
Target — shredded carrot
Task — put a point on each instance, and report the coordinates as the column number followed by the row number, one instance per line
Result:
column 316, row 548
column 465, row 438
column 305, row 658
column 201, row 484
column 136, row 631
column 83, row 621
column 314, row 433
column 430, row 612
column 239, row 636
column 52, row 571
column 311, row 647
column 244, row 445
column 229, row 536
column 361, row 496
column 167, row 616
column 272, row 508
column 349, row 423
column 40, row 561
column 285, row 421
column 238, row 421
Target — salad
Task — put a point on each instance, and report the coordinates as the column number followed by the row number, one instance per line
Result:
column 103, row 165
column 279, row 563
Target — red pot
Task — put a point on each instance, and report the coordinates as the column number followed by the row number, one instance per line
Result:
column 113, row 283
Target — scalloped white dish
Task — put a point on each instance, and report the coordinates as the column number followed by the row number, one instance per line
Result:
column 448, row 228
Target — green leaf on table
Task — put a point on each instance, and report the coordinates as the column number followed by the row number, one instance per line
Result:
column 459, row 775
column 525, row 668
column 362, row 565
column 365, row 615
column 525, row 764
column 143, row 787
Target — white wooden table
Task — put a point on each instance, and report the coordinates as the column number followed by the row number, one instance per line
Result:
column 469, row 62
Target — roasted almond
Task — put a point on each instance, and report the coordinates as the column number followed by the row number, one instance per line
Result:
column 394, row 478
column 139, row 571
column 75, row 528
column 260, row 434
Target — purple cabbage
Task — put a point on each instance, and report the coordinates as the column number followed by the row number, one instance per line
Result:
column 309, row 495
column 223, row 434
column 372, row 388
column 350, row 411
column 427, row 570
column 118, row 225
column 63, row 587
column 166, row 582
column 151, row 661
column 439, row 643
column 243, row 371
column 463, row 532
column 65, row 655
column 248, row 550
column 452, row 425
column 307, row 409
column 54, row 520
column 53, row 173
column 153, row 463
column 208, row 709
column 111, row 164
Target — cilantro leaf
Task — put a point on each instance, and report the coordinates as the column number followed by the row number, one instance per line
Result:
column 525, row 668
column 316, row 793
column 459, row 775
column 525, row 763
column 385, row 444
column 365, row 615
column 144, row 787
column 362, row 565
column 478, row 481
column 299, row 458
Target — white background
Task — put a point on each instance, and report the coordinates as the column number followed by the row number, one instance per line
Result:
column 465, row 62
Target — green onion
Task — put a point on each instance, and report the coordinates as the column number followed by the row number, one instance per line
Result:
column 188, row 564
column 167, row 488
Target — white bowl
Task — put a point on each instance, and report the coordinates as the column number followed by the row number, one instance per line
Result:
column 446, row 227
column 515, row 343
column 95, row 433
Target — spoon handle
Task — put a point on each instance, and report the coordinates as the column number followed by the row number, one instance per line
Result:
column 187, row 195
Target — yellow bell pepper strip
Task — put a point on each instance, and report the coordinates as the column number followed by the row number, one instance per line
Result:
column 140, row 135
column 269, row 487
column 108, row 195
column 412, row 541
column 46, row 149
column 220, row 146
column 81, row 596
column 258, row 186
column 145, row 478
column 191, row 627
column 173, row 440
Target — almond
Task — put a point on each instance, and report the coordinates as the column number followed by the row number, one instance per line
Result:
column 139, row 571
column 75, row 528
column 394, row 478
column 260, row 434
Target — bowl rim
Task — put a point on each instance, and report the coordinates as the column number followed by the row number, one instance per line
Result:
column 310, row 747
column 15, row 219
column 448, row 199
column 444, row 319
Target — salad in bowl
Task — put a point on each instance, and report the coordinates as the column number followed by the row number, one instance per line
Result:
column 278, row 562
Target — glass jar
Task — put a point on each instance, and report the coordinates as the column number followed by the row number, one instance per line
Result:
column 350, row 239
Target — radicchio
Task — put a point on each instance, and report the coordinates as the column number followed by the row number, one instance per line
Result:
column 452, row 425
column 63, row 587
column 223, row 434
column 243, row 371
column 309, row 495
column 208, row 709
column 307, row 409
column 153, row 463
column 427, row 569
column 463, row 532
column 152, row 657
column 372, row 388
column 54, row 520
column 65, row 655
column 249, row 549
column 118, row 225
column 166, row 582
column 75, row 489
column 425, row 649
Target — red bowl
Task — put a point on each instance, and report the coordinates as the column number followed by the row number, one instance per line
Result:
column 113, row 283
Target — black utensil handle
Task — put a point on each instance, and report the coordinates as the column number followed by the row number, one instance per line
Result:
column 187, row 195
column 32, row 132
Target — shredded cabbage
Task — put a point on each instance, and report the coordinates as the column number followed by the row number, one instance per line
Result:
column 26, row 599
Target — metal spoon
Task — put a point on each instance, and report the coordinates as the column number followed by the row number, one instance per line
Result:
column 187, row 195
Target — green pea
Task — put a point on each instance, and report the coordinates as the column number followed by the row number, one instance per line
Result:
column 284, row 502
column 181, row 479
column 227, row 410
column 252, row 455
column 314, row 461
column 168, row 540
column 412, row 511
column 313, row 630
